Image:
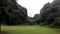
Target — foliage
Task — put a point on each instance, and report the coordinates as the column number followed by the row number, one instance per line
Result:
column 50, row 13
column 11, row 13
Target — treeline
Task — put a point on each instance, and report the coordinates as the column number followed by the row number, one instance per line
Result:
column 11, row 13
column 49, row 14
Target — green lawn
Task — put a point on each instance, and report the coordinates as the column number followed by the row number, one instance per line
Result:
column 29, row 30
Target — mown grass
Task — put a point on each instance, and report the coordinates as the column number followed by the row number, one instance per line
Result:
column 29, row 30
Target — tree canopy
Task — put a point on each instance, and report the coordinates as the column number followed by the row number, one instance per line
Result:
column 11, row 13
column 50, row 13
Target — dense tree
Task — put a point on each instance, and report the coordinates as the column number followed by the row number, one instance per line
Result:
column 34, row 20
column 50, row 13
column 37, row 19
column 12, row 13
column 37, row 16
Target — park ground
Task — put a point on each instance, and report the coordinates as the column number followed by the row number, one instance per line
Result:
column 28, row 30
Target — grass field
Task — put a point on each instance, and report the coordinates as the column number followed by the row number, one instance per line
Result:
column 29, row 30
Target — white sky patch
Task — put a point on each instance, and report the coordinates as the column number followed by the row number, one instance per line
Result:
column 33, row 6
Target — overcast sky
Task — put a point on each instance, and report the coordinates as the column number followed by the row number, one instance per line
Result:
column 33, row 6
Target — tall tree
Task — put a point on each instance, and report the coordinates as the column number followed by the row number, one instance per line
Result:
column 50, row 13
column 12, row 13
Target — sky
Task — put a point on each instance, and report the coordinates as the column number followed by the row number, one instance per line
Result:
column 33, row 6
